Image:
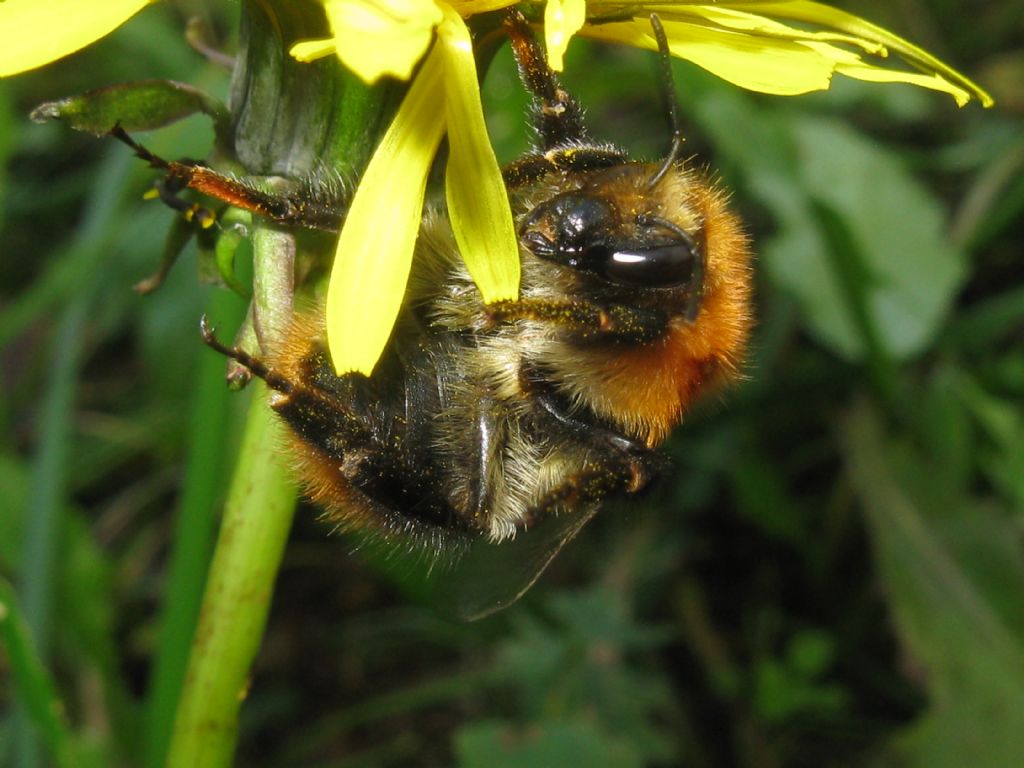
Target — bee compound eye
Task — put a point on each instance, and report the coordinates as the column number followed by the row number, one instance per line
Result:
column 661, row 266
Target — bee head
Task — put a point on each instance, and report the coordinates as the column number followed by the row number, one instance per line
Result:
column 611, row 228
column 632, row 225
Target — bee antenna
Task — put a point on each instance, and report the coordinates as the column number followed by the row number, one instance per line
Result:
column 256, row 366
column 669, row 86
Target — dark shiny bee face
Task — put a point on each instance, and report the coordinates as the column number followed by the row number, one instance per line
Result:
column 633, row 226
column 581, row 229
column 488, row 435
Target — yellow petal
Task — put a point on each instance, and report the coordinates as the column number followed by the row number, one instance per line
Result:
column 824, row 15
column 763, row 26
column 371, row 267
column 562, row 20
column 760, row 18
column 385, row 37
column 467, row 8
column 934, row 82
column 477, row 201
column 779, row 67
column 36, row 32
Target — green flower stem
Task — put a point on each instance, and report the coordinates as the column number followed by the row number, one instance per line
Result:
column 288, row 119
column 256, row 522
column 194, row 537
column 273, row 283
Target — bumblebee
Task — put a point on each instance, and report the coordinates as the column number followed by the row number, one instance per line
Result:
column 498, row 428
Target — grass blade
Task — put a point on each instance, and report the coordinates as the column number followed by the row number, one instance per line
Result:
column 35, row 688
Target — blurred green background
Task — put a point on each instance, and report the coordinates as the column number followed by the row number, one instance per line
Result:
column 831, row 575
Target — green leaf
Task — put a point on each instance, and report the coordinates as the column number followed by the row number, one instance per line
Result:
column 141, row 106
column 890, row 277
column 954, row 573
column 568, row 743
column 1002, row 421
column 861, row 247
column 582, row 660
column 795, row 684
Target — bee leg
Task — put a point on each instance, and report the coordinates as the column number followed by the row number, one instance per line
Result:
column 618, row 463
column 606, row 475
column 586, row 320
column 168, row 189
column 557, row 116
column 291, row 209
column 256, row 366
column 556, row 406
column 309, row 410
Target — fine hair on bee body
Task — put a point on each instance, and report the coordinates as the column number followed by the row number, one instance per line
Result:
column 508, row 424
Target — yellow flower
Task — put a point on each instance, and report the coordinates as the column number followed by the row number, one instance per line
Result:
column 374, row 254
column 32, row 37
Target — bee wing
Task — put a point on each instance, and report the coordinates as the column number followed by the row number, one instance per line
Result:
column 491, row 576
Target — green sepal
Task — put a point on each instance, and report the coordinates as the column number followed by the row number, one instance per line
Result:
column 325, row 116
column 234, row 232
column 140, row 106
